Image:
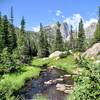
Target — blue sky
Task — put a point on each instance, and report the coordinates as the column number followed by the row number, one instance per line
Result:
column 50, row 11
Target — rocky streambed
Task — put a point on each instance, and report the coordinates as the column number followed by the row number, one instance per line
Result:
column 52, row 83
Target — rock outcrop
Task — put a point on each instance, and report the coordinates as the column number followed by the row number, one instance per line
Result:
column 94, row 51
column 51, row 30
column 89, row 31
column 58, row 54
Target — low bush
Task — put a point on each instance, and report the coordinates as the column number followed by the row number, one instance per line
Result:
column 87, row 84
column 6, row 61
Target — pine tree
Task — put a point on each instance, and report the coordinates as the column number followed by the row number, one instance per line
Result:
column 5, row 31
column 58, row 42
column 23, row 50
column 12, row 34
column 81, row 37
column 1, row 34
column 47, row 45
column 21, row 37
column 71, row 38
column 21, row 42
column 97, row 32
column 43, row 50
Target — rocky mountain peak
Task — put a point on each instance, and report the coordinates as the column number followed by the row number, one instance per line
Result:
column 89, row 31
column 51, row 29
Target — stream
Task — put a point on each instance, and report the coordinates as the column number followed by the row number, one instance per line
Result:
column 45, row 85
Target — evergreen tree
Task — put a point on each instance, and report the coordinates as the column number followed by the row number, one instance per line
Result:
column 46, row 44
column 12, row 34
column 97, row 32
column 66, row 45
column 1, row 34
column 21, row 37
column 21, row 41
column 81, row 37
column 71, row 38
column 43, row 50
column 31, row 44
column 6, row 60
column 5, row 31
column 23, row 50
column 58, row 42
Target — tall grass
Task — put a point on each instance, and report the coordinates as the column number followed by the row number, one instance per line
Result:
column 13, row 82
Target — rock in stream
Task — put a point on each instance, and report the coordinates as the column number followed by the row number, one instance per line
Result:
column 46, row 85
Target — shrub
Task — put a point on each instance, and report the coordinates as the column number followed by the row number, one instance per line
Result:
column 87, row 86
column 6, row 61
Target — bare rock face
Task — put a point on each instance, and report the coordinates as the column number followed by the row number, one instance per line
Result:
column 51, row 30
column 58, row 54
column 94, row 51
column 64, row 30
column 89, row 31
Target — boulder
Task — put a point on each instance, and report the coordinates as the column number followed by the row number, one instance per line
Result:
column 67, row 75
column 94, row 51
column 60, row 87
column 67, row 91
column 97, row 62
column 48, row 82
column 58, row 54
column 59, row 79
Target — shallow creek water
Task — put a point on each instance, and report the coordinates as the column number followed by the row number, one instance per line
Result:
column 36, row 87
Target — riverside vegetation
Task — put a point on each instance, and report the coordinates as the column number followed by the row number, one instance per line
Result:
column 24, row 54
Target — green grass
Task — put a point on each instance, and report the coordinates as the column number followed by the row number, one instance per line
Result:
column 13, row 82
column 40, row 62
column 67, row 63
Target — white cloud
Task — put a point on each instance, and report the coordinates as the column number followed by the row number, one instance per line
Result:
column 90, row 21
column 73, row 20
column 36, row 29
column 59, row 13
column 63, row 16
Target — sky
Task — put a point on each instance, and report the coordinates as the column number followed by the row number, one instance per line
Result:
column 51, row 11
